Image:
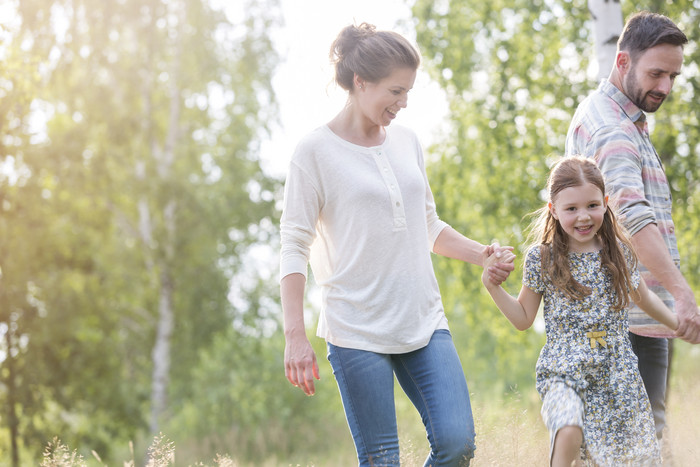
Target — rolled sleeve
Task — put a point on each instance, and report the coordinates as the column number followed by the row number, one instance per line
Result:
column 294, row 254
column 618, row 158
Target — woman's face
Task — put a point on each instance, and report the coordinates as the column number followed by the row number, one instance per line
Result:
column 381, row 101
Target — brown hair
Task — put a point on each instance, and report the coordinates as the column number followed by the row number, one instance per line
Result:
column 645, row 30
column 554, row 242
column 370, row 54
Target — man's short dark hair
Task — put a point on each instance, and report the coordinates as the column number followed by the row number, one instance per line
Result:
column 645, row 30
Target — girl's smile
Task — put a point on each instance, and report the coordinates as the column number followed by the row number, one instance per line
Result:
column 584, row 230
column 580, row 211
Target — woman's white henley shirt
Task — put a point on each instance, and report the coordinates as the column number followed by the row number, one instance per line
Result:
column 365, row 219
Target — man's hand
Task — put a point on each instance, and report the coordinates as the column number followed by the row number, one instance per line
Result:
column 688, row 318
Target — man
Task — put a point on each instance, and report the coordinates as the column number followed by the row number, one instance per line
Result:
column 610, row 126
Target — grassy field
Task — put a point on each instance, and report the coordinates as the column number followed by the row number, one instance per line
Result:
column 509, row 432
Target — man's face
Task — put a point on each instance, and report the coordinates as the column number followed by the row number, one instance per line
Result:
column 651, row 76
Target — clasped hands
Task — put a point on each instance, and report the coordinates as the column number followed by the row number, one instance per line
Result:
column 498, row 262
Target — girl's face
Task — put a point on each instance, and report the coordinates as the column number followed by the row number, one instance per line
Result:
column 580, row 211
column 381, row 101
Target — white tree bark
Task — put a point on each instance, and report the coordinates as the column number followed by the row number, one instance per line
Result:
column 165, row 158
column 161, row 352
column 607, row 27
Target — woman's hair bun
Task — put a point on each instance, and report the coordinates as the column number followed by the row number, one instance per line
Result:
column 371, row 54
column 349, row 38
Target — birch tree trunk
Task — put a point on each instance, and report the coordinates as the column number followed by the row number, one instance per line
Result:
column 164, row 246
column 607, row 27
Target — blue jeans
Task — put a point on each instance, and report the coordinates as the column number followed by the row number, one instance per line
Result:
column 652, row 353
column 433, row 379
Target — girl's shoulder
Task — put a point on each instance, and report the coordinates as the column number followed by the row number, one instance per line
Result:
column 533, row 272
column 534, row 252
column 625, row 248
column 534, row 257
column 628, row 253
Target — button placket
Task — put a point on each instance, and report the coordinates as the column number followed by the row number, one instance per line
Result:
column 393, row 189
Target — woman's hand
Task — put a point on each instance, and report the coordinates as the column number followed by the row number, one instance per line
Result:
column 300, row 366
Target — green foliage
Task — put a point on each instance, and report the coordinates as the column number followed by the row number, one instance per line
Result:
column 242, row 405
column 131, row 130
column 514, row 72
column 501, row 64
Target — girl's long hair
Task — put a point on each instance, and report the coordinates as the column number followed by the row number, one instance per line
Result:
column 547, row 233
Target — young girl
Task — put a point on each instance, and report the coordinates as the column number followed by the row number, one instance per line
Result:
column 594, row 402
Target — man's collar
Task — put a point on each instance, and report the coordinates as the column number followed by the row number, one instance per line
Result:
column 633, row 112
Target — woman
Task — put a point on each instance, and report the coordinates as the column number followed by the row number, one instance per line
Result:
column 358, row 206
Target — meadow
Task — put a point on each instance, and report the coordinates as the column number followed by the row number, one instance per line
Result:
column 509, row 432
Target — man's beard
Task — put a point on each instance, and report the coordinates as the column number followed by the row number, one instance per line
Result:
column 638, row 96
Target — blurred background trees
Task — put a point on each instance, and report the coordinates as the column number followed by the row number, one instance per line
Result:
column 131, row 191
column 514, row 72
column 132, row 202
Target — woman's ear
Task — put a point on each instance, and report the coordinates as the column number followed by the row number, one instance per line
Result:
column 605, row 203
column 552, row 211
column 358, row 82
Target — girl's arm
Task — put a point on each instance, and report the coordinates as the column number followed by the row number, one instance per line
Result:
column 521, row 312
column 654, row 306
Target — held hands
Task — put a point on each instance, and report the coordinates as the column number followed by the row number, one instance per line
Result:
column 688, row 315
column 498, row 264
column 300, row 366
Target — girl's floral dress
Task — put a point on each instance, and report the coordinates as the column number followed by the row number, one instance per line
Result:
column 587, row 373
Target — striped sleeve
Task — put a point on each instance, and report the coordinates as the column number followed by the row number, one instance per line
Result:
column 619, row 160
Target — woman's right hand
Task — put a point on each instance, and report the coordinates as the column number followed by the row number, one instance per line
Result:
column 300, row 366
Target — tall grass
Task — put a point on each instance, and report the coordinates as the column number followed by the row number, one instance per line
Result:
column 682, row 447
column 509, row 432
